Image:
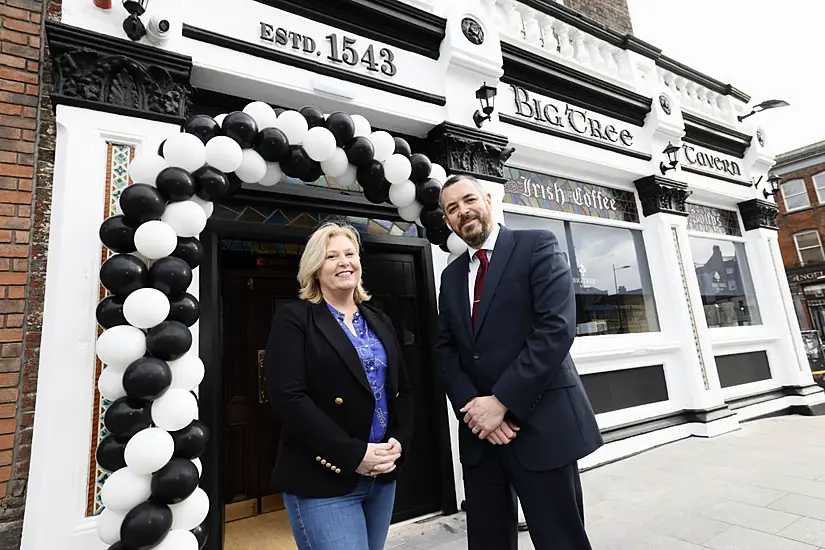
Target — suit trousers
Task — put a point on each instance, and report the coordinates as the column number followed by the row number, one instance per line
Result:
column 551, row 501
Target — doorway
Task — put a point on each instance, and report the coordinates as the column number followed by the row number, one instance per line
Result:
column 255, row 278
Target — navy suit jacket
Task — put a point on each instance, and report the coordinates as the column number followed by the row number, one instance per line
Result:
column 518, row 350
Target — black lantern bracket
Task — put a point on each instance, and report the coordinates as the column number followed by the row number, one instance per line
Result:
column 486, row 95
column 132, row 25
column 775, row 183
column 672, row 152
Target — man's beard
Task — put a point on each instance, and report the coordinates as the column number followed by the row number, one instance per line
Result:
column 476, row 237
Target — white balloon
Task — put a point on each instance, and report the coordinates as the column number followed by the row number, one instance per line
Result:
column 438, row 173
column 293, row 125
column 362, row 127
column 336, row 165
column 185, row 151
column 145, row 168
column 262, row 113
column 397, row 169
column 125, row 489
column 224, row 153
column 349, row 177
column 252, row 168
column 187, row 218
column 402, row 195
column 455, row 244
column 198, row 465
column 149, row 450
column 191, row 512
column 187, row 372
column 110, row 384
column 108, row 526
column 207, row 206
column 384, row 145
column 319, row 143
column 155, row 239
column 146, row 308
column 219, row 119
column 174, row 410
column 273, row 176
column 178, row 539
column 121, row 345
column 410, row 213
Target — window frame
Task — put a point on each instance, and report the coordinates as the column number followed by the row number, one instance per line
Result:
column 785, row 200
column 820, row 198
column 799, row 251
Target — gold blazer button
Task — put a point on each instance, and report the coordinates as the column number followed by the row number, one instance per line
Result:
column 323, row 462
column 337, row 470
column 329, row 465
column 339, row 401
column 318, row 459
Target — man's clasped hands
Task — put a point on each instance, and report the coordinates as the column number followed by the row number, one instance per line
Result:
column 485, row 416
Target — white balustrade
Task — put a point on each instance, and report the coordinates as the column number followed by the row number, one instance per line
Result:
column 698, row 99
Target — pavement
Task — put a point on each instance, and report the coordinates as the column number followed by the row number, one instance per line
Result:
column 761, row 487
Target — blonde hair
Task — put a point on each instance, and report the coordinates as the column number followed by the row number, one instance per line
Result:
column 314, row 256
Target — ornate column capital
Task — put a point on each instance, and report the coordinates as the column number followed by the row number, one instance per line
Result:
column 660, row 195
column 104, row 73
column 464, row 150
column 758, row 214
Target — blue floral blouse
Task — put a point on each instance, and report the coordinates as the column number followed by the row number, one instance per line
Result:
column 374, row 360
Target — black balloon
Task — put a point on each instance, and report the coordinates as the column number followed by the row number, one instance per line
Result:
column 342, row 127
column 360, row 151
column 120, row 546
column 428, row 192
column 146, row 525
column 110, row 454
column 127, row 416
column 109, row 312
column 190, row 442
column 169, row 341
column 313, row 173
column 241, row 127
column 445, row 248
column 272, row 144
column 371, row 175
column 432, row 218
column 235, row 184
column 175, row 184
column 175, row 482
column 201, row 533
column 190, row 250
column 378, row 194
column 421, row 167
column 297, row 163
column 439, row 235
column 313, row 115
column 147, row 378
column 118, row 234
column 210, row 183
column 160, row 148
column 185, row 309
column 203, row 126
column 170, row 275
column 122, row 274
column 142, row 202
column 402, row 147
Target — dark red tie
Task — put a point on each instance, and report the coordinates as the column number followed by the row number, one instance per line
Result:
column 482, row 272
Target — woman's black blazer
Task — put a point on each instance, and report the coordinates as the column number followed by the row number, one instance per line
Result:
column 321, row 395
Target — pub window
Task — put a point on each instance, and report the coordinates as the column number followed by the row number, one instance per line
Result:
column 808, row 247
column 795, row 195
column 610, row 274
column 725, row 283
column 819, row 185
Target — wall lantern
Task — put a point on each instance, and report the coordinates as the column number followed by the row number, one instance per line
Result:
column 672, row 152
column 132, row 25
column 764, row 106
column 775, row 183
column 486, row 95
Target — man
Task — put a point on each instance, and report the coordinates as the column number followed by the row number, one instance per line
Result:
column 507, row 316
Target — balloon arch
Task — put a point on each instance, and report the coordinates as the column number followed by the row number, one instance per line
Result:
column 152, row 498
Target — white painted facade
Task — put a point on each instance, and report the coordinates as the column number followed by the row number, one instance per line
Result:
column 58, row 482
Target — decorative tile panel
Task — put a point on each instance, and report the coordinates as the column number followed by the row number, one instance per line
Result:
column 696, row 342
column 707, row 219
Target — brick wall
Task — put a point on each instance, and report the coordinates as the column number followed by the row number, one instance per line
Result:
column 611, row 13
column 23, row 119
column 811, row 218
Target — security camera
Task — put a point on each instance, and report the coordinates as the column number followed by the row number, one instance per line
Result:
column 159, row 29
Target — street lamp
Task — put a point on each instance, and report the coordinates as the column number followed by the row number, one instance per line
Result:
column 486, row 96
column 132, row 25
column 615, row 280
column 672, row 152
column 764, row 106
column 775, row 183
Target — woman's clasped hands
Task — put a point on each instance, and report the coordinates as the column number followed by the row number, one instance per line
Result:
column 380, row 458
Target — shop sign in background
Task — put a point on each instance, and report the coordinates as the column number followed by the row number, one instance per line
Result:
column 537, row 190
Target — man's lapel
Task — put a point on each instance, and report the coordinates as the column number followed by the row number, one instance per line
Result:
column 501, row 256
column 462, row 284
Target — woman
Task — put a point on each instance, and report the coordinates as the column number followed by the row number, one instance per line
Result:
column 337, row 382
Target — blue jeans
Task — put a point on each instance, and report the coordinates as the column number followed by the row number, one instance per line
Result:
column 356, row 521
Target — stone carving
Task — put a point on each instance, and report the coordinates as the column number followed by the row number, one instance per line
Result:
column 664, row 101
column 758, row 214
column 760, row 137
column 464, row 150
column 472, row 31
column 660, row 195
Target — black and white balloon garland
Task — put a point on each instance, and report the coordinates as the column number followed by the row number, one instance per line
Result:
column 152, row 498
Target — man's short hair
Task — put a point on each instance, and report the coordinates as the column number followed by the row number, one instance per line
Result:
column 455, row 178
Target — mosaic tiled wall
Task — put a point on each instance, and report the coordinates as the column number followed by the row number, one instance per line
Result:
column 118, row 157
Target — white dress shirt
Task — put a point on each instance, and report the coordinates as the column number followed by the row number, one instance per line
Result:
column 475, row 263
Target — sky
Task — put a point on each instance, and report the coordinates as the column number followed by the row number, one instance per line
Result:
column 768, row 49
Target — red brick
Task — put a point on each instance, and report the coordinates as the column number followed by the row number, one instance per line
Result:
column 28, row 135
column 11, row 350
column 18, row 50
column 5, row 264
column 8, row 395
column 24, row 211
column 29, row 112
column 16, row 144
column 15, row 13
column 11, row 335
column 15, row 292
column 9, row 109
column 15, row 197
column 21, row 237
column 18, row 99
column 14, row 251
column 9, row 380
column 8, row 426
column 5, row 473
column 35, row 18
column 13, row 279
column 21, row 26
column 31, row 5
column 11, row 61
column 32, row 90
column 6, row 441
column 13, row 37
column 8, row 411
column 14, row 321
column 11, row 86
column 16, row 171
column 8, row 157
column 14, row 122
column 24, row 184
column 34, row 41
column 32, row 66
column 5, row 236
column 15, row 223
